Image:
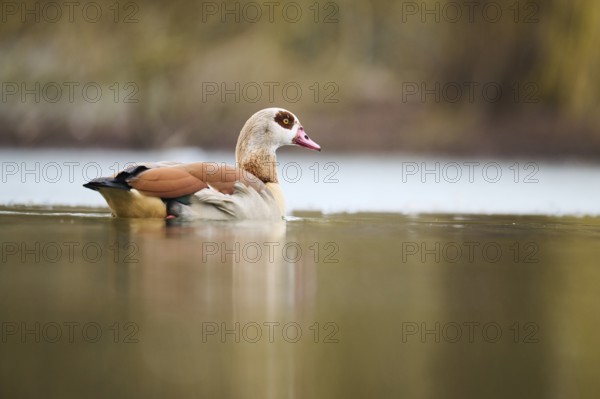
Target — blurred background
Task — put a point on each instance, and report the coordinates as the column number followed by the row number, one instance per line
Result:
column 502, row 79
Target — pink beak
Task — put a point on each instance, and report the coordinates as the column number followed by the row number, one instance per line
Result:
column 303, row 140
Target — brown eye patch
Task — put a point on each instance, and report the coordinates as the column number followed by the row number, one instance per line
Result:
column 285, row 119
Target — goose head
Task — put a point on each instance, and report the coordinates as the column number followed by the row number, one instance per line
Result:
column 263, row 134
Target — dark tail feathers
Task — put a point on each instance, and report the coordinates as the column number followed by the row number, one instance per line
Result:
column 119, row 181
column 106, row 182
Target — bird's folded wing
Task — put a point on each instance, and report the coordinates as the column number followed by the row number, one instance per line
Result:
column 179, row 180
column 222, row 177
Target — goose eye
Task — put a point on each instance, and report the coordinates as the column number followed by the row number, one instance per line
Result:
column 284, row 119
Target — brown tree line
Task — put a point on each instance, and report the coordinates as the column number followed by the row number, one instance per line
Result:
column 507, row 77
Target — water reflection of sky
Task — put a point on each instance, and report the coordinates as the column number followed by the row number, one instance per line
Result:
column 333, row 183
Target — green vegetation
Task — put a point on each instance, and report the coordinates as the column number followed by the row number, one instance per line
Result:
column 411, row 76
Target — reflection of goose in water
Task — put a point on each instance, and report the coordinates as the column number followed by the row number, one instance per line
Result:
column 204, row 190
column 232, row 275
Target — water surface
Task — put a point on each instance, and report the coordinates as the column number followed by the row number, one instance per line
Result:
column 339, row 305
column 332, row 183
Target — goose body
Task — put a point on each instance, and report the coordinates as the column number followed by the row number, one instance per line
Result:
column 208, row 190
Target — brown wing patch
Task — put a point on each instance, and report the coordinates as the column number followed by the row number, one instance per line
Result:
column 285, row 119
column 169, row 182
column 185, row 179
column 222, row 177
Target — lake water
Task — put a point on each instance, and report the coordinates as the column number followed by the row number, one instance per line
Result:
column 333, row 183
column 399, row 300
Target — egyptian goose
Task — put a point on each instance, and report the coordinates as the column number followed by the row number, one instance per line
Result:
column 207, row 190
